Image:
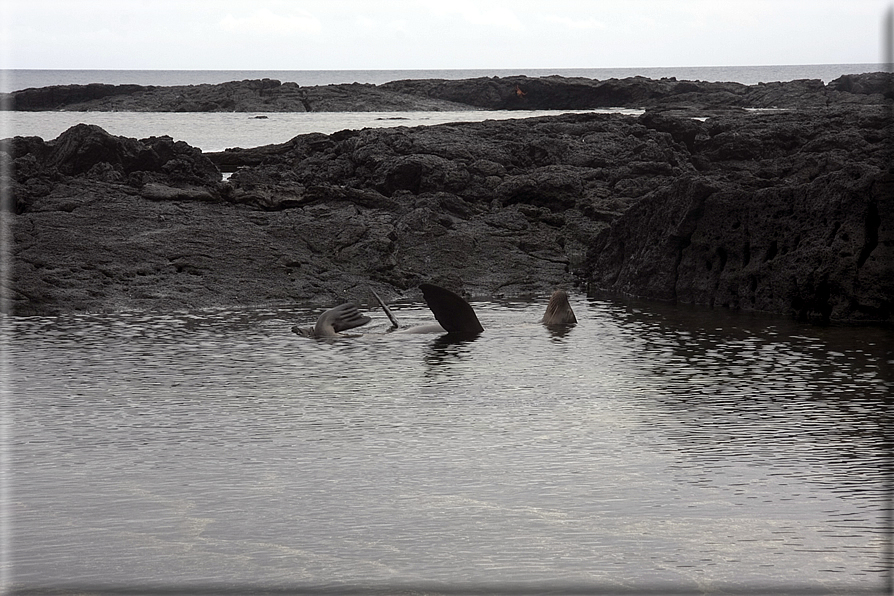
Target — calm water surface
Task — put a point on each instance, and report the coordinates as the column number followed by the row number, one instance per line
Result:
column 647, row 446
column 216, row 131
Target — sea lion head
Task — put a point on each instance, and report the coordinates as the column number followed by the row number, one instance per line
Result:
column 558, row 311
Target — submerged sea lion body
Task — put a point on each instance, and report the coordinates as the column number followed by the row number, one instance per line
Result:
column 558, row 311
column 420, row 329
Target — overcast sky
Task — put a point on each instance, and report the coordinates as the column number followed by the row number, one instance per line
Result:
column 434, row 34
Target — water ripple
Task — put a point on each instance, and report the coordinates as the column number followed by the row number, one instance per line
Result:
column 647, row 444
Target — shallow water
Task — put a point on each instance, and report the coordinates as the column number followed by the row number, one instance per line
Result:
column 647, row 446
column 216, row 131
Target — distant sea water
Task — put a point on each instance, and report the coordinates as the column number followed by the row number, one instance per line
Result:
column 17, row 79
column 218, row 131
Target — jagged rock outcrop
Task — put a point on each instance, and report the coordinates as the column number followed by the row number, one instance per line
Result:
column 58, row 97
column 493, row 93
column 488, row 208
column 88, row 151
column 554, row 92
column 785, row 215
column 263, row 95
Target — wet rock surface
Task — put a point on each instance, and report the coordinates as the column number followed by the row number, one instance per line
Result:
column 781, row 211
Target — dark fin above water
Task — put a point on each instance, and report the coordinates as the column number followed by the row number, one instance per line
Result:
column 394, row 323
column 452, row 311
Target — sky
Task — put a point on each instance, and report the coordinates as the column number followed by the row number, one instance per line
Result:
column 436, row 34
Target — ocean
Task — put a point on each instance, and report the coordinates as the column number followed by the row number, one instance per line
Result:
column 219, row 131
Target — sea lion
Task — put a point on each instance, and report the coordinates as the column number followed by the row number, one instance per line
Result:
column 455, row 316
column 558, row 311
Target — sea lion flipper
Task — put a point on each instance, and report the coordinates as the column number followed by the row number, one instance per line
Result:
column 391, row 317
column 348, row 317
column 453, row 313
column 338, row 319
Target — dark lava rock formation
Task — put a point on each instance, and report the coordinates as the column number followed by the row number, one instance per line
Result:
column 486, row 93
column 790, row 213
column 264, row 95
column 782, row 211
column 560, row 93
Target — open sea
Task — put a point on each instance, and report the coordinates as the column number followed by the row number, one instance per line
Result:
column 749, row 75
column 651, row 448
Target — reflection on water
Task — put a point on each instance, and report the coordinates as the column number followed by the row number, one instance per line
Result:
column 447, row 348
column 726, row 387
column 646, row 446
column 560, row 331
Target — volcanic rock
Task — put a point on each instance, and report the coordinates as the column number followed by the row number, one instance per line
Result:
column 788, row 211
column 485, row 93
column 785, row 215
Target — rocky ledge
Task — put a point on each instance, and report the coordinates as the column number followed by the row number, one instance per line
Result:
column 781, row 211
column 485, row 93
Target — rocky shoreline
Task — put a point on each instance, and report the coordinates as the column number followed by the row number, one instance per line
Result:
column 485, row 93
column 786, row 211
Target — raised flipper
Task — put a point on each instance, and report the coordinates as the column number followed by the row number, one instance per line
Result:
column 338, row 319
column 453, row 313
column 391, row 317
column 558, row 311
